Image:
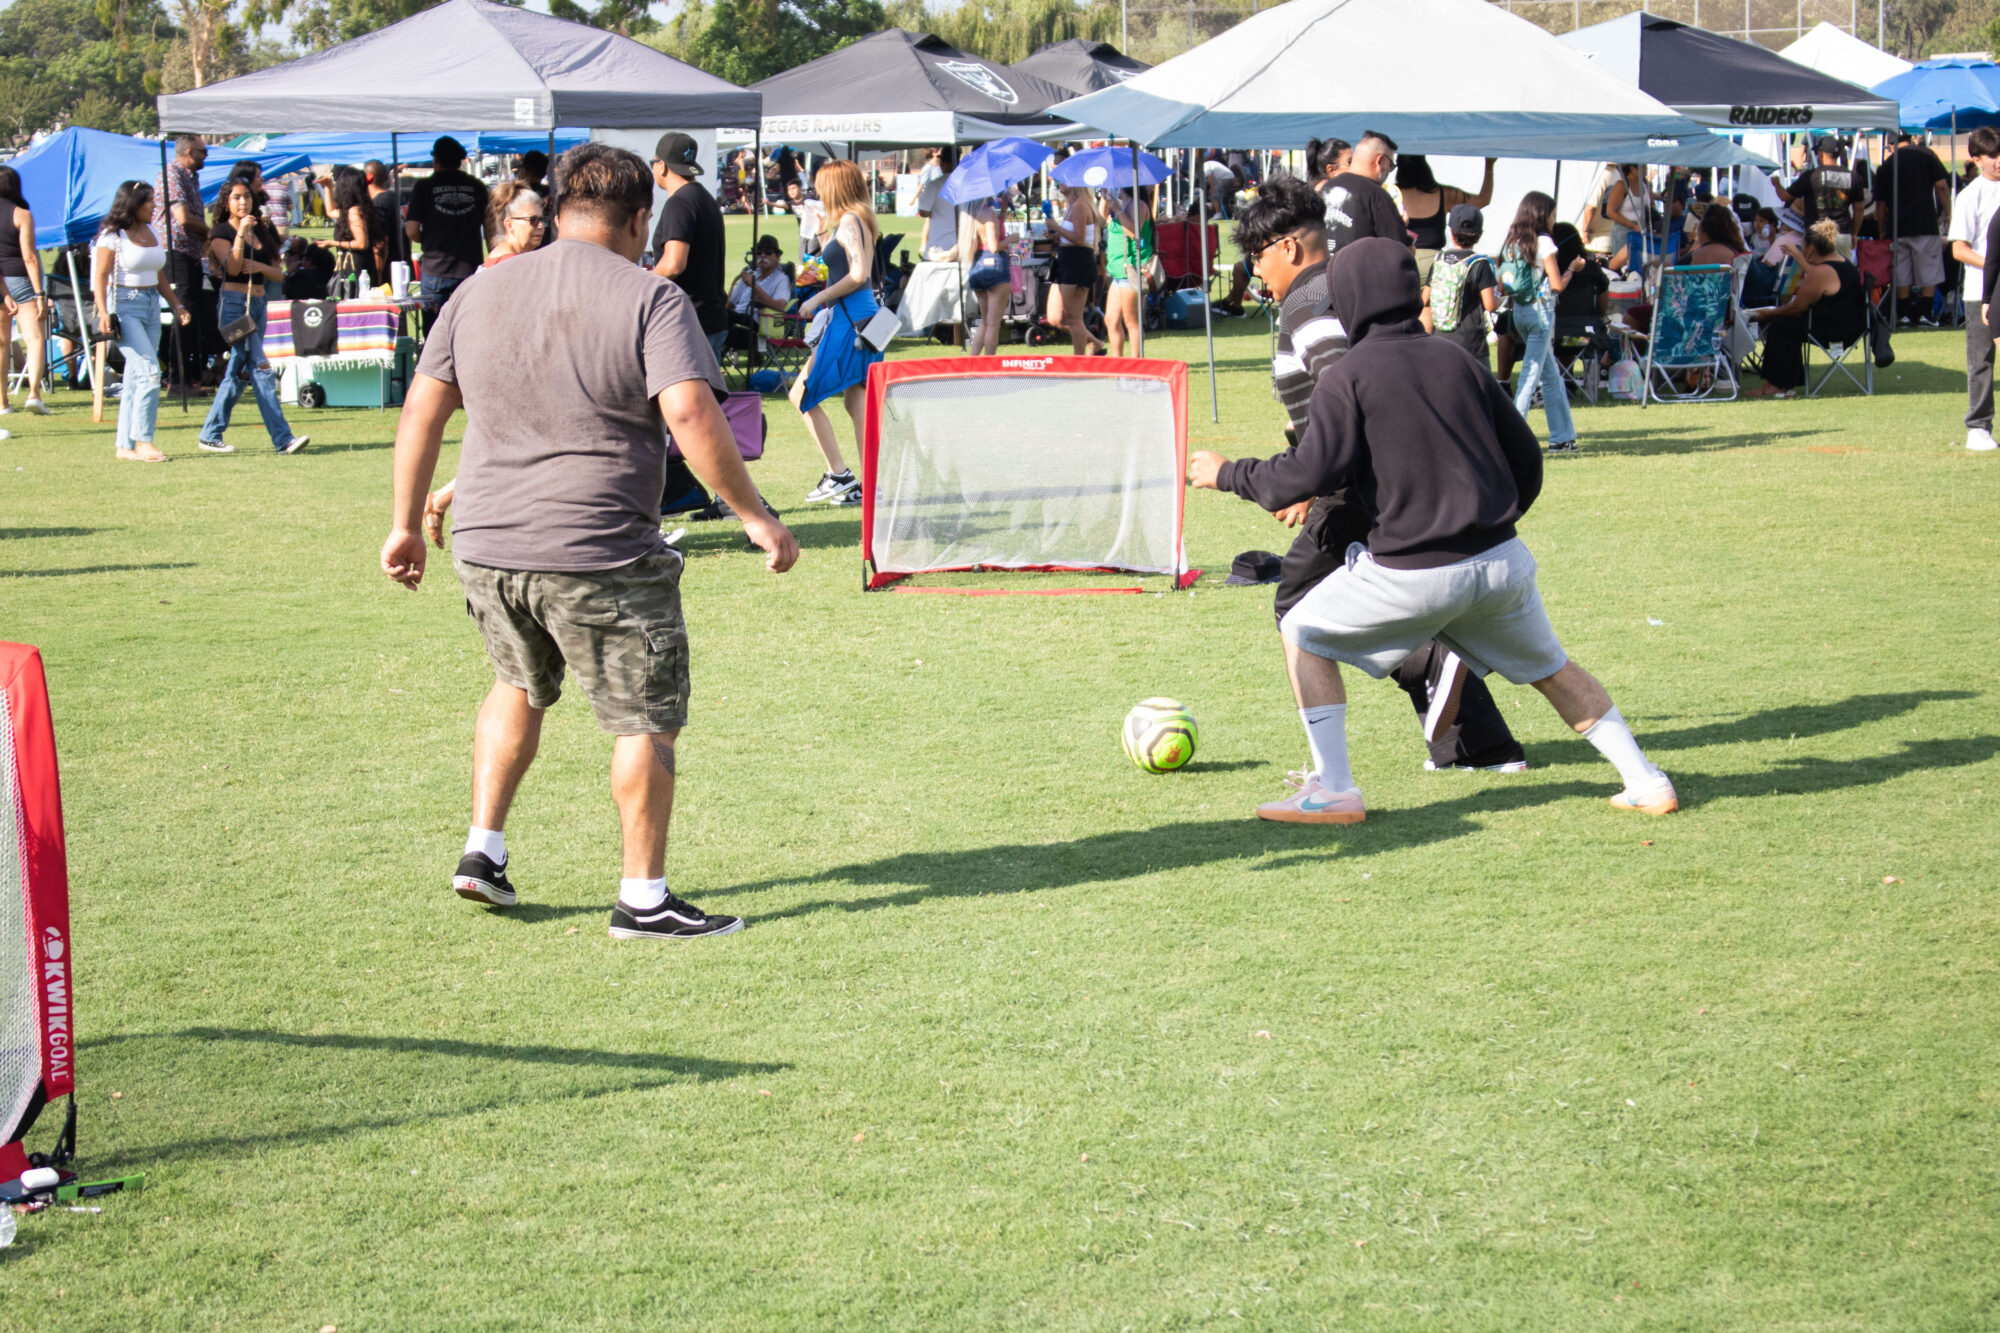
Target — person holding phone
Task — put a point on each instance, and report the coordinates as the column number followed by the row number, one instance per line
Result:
column 243, row 252
column 128, row 276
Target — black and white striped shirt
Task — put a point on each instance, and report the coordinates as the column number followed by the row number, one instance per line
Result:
column 1310, row 340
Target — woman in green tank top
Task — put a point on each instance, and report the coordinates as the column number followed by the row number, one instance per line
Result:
column 1125, row 263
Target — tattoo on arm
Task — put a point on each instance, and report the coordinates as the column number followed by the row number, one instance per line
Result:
column 663, row 750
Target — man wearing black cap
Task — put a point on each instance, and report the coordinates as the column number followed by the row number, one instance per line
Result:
column 447, row 216
column 687, row 240
column 1829, row 190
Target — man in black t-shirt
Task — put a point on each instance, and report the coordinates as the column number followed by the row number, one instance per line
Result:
column 687, row 240
column 1829, row 190
column 1919, row 187
column 448, row 217
column 1356, row 203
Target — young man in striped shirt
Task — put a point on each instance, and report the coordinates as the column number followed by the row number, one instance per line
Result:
column 1281, row 235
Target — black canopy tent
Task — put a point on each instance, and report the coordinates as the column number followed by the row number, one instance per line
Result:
column 1081, row 66
column 1726, row 84
column 901, row 89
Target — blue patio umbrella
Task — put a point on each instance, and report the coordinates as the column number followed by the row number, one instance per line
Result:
column 993, row 167
column 1110, row 169
column 1946, row 94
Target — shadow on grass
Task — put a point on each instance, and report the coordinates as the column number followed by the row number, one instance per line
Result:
column 1126, row 853
column 16, row 534
column 91, row 569
column 1675, row 439
column 319, row 1069
column 813, row 531
column 1772, row 724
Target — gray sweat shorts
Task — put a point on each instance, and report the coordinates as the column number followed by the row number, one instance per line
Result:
column 1485, row 608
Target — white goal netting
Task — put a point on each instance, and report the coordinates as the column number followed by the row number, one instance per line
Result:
column 1027, row 471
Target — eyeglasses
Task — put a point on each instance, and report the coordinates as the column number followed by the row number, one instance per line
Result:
column 1258, row 254
column 532, row 219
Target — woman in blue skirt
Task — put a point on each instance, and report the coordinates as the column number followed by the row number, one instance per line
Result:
column 840, row 360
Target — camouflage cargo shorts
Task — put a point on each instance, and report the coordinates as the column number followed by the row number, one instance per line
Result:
column 620, row 630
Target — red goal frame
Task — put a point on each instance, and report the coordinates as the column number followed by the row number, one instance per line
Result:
column 1173, row 374
column 39, row 855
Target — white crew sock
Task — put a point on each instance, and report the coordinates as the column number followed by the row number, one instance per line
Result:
column 1614, row 740
column 1326, row 734
column 643, row 894
column 490, row 843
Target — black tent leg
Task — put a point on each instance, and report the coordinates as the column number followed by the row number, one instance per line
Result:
column 167, row 209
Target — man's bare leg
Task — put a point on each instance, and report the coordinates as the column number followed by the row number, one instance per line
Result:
column 504, row 740
column 642, row 782
column 1328, row 795
column 1584, row 704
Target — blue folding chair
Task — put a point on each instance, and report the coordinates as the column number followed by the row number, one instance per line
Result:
column 1690, row 336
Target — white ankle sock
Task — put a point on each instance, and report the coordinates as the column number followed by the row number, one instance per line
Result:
column 1326, row 734
column 644, row 894
column 1614, row 740
column 490, row 843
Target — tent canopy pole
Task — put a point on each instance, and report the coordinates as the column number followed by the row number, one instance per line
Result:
column 1207, row 310
column 1137, row 276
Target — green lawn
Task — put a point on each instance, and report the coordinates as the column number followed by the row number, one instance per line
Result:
column 1019, row 1036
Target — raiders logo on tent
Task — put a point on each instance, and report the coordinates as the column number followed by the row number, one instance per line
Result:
column 982, row 78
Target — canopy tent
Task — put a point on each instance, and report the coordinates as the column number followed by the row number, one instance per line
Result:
column 1725, row 83
column 473, row 63
column 70, row 178
column 1946, row 94
column 1833, row 52
column 413, row 149
column 1263, row 84
column 902, row 89
column 1080, row 66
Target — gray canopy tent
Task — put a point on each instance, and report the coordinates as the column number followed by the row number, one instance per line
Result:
column 473, row 64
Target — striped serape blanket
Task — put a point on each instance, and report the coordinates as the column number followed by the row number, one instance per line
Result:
column 365, row 326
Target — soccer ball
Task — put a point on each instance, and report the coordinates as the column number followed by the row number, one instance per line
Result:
column 1159, row 735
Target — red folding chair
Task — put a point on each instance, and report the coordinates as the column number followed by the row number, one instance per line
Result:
column 1178, row 244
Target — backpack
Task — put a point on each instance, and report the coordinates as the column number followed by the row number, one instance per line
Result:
column 1449, row 279
column 1520, row 278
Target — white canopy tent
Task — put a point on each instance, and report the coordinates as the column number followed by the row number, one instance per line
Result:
column 1264, row 84
column 1833, row 51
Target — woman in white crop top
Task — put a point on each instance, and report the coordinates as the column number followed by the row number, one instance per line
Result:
column 128, row 276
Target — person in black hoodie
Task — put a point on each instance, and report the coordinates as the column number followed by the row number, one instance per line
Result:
column 1446, row 466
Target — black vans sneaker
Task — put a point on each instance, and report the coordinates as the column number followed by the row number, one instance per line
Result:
column 671, row 920
column 483, row 882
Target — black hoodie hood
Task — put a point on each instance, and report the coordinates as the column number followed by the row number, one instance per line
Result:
column 1374, row 285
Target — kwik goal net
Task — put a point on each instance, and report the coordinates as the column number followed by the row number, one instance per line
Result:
column 1024, row 463
column 36, row 1050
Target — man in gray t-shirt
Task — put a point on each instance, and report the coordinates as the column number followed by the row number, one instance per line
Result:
column 573, row 365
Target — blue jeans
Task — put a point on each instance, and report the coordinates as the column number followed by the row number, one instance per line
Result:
column 138, row 312
column 246, row 365
column 434, row 292
column 1535, row 329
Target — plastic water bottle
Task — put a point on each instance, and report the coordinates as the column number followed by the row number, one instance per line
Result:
column 6, row 1226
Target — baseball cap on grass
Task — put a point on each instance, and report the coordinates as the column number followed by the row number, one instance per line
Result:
column 1253, row 567
column 678, row 153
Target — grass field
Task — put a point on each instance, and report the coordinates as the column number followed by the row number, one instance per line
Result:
column 1020, row 1037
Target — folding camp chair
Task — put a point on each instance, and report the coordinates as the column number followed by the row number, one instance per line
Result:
column 1689, row 336
column 1178, row 244
column 1840, row 351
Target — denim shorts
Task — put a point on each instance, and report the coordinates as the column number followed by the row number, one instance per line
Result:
column 20, row 289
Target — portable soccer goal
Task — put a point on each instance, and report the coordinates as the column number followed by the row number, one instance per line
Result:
column 37, row 1062
column 1047, row 463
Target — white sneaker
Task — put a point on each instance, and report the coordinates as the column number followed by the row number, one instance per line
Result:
column 35, row 408
column 1980, row 440
column 6, row 434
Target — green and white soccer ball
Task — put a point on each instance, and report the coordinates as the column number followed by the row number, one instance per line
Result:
column 1159, row 735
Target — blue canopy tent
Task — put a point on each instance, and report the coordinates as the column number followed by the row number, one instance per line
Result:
column 70, row 178
column 1946, row 95
column 413, row 148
